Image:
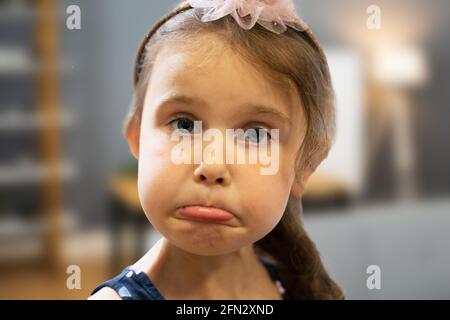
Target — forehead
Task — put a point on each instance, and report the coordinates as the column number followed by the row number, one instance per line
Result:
column 214, row 72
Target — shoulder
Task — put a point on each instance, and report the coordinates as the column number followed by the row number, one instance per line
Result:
column 105, row 293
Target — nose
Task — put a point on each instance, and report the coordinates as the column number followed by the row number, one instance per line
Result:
column 212, row 174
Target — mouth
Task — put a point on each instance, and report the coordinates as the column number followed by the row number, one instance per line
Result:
column 205, row 213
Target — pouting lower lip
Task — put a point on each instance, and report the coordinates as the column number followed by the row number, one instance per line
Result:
column 205, row 213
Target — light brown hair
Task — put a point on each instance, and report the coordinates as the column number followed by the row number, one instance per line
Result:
column 294, row 57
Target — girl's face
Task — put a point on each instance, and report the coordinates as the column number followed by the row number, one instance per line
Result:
column 219, row 90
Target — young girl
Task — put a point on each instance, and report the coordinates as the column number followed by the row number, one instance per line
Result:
column 229, row 232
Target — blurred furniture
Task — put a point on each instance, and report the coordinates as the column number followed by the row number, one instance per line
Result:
column 129, row 222
column 323, row 191
column 395, row 71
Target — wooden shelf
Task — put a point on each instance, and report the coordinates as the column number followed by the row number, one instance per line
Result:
column 13, row 120
column 125, row 189
column 32, row 62
column 48, row 106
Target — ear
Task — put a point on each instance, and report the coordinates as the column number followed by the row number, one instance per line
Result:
column 298, row 186
column 132, row 134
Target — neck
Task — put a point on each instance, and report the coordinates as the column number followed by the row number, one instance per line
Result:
column 188, row 275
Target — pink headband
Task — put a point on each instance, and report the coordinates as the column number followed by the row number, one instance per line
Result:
column 274, row 15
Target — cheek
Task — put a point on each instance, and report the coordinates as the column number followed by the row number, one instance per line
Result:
column 158, row 177
column 265, row 196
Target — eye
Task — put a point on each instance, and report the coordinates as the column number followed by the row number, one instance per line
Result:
column 257, row 135
column 184, row 124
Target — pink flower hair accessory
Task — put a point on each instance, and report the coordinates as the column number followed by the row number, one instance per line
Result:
column 274, row 15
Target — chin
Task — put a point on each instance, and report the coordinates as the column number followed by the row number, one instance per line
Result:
column 207, row 242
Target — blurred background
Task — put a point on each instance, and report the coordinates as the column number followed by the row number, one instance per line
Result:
column 68, row 192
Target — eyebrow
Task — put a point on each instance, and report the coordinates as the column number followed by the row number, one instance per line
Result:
column 253, row 108
column 262, row 109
